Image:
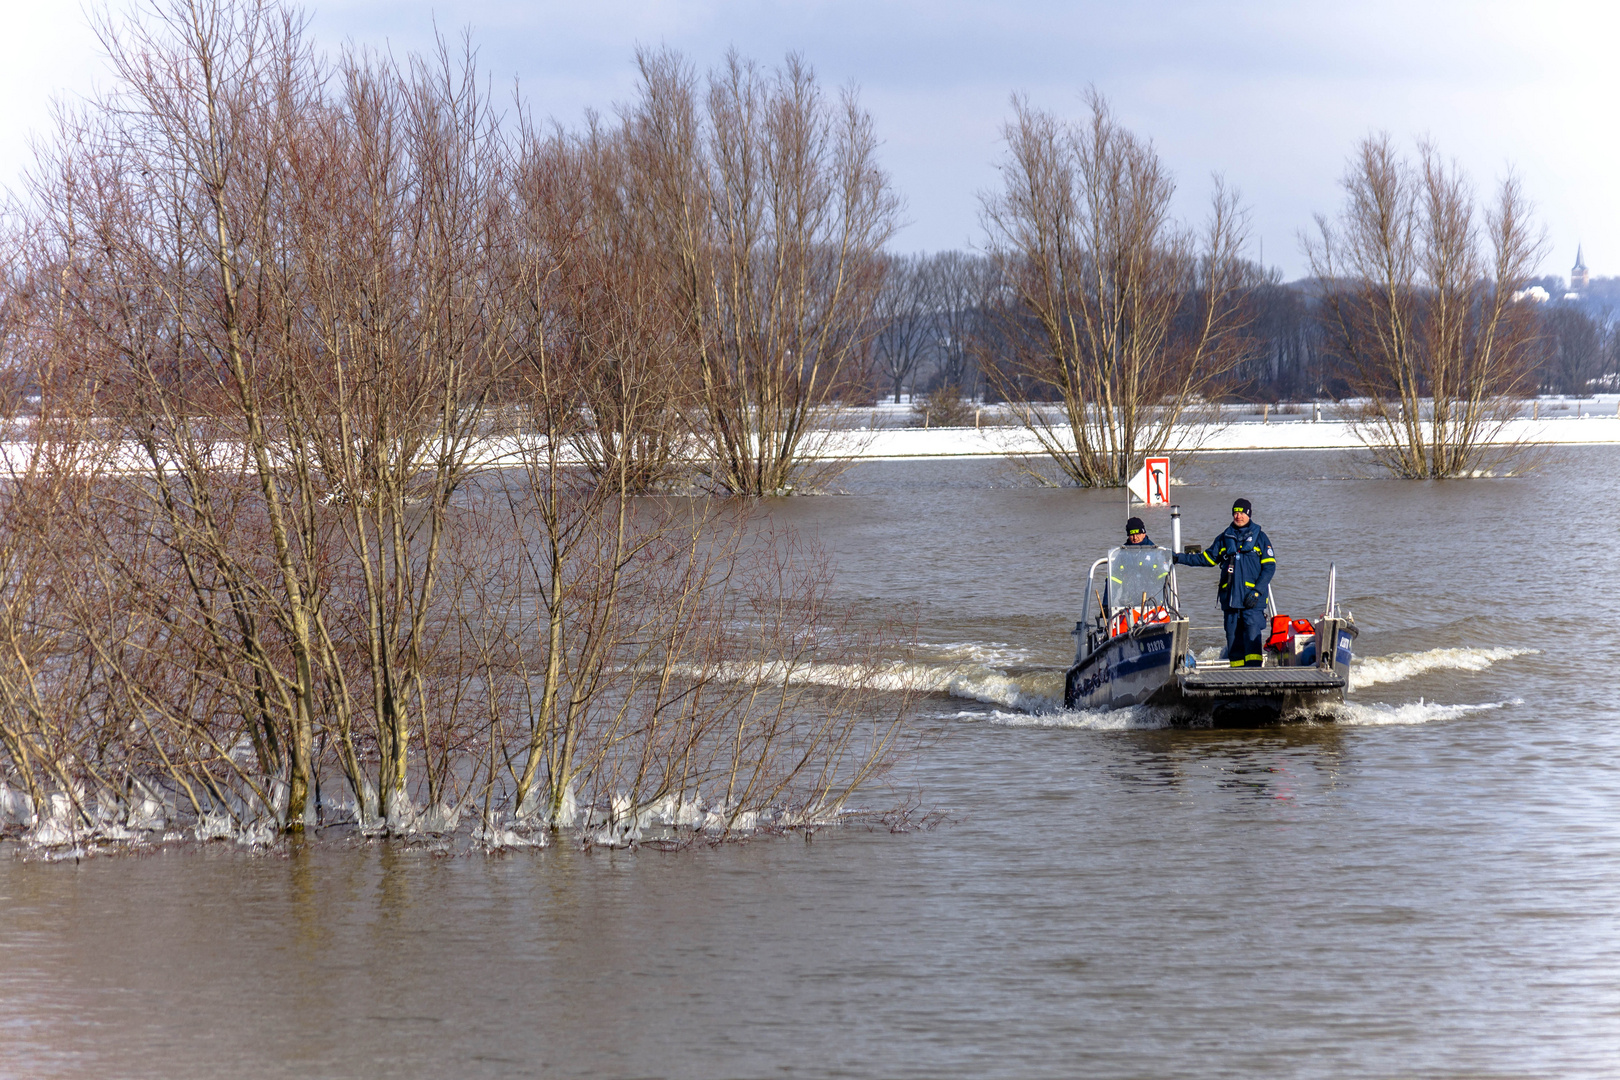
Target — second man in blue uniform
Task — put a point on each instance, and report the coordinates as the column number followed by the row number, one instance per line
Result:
column 1243, row 552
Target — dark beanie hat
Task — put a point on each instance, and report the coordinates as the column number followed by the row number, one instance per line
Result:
column 1242, row 504
column 1135, row 526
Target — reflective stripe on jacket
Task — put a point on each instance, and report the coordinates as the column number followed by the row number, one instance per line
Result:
column 1246, row 561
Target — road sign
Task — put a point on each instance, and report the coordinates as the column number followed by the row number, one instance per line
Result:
column 1151, row 484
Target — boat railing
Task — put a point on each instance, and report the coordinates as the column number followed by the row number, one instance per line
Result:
column 1084, row 632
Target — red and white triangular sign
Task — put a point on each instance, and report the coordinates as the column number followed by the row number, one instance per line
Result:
column 1151, row 484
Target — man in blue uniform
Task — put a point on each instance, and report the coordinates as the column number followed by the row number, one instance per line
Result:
column 1136, row 533
column 1243, row 552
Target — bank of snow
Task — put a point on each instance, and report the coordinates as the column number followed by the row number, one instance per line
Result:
column 1285, row 434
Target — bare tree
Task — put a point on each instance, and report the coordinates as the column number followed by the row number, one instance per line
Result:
column 601, row 246
column 46, row 676
column 964, row 288
column 282, row 292
column 1418, row 301
column 260, row 520
column 903, row 312
column 396, row 337
column 635, row 654
column 1574, row 349
column 1125, row 317
column 772, row 212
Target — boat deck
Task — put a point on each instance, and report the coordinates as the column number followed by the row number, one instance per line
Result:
column 1259, row 682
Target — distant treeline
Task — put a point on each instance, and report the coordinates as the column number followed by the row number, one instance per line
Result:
column 941, row 313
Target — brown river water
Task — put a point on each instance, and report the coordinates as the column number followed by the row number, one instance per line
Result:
column 1427, row 885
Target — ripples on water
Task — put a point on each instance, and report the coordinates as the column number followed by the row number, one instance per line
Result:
column 1423, row 884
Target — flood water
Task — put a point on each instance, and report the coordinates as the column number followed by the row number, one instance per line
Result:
column 1427, row 886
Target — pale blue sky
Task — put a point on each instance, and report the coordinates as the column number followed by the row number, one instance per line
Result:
column 1272, row 94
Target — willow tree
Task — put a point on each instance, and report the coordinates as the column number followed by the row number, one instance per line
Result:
column 636, row 652
column 254, row 312
column 276, row 271
column 1124, row 316
column 771, row 212
column 1418, row 301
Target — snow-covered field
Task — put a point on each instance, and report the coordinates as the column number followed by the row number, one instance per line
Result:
column 878, row 434
column 1588, row 420
column 1287, row 435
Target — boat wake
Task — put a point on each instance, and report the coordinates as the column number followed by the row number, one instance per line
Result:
column 992, row 673
column 1132, row 718
column 1396, row 667
column 1148, row 718
column 988, row 672
column 1352, row 714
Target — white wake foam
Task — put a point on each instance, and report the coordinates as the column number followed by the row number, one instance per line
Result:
column 1352, row 714
column 1028, row 692
column 1398, row 666
column 974, row 671
column 1034, row 691
column 1133, row 718
column 977, row 652
column 1037, row 692
column 1147, row 718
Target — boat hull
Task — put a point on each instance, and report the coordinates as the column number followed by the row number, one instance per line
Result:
column 1149, row 666
column 1133, row 669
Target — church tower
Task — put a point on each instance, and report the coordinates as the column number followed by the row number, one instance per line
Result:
column 1579, row 276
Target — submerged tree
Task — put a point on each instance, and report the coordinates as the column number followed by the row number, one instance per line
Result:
column 1125, row 317
column 263, row 526
column 1418, row 289
column 771, row 212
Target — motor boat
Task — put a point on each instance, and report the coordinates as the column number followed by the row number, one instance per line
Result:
column 1133, row 647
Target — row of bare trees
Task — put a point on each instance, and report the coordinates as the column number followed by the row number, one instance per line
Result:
column 1577, row 351
column 937, row 316
column 332, row 410
column 1131, row 323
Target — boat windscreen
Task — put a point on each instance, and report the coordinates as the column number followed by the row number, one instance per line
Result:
column 1134, row 571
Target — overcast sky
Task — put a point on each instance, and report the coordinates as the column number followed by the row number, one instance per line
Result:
column 1271, row 94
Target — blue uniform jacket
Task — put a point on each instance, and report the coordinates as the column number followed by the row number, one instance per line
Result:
column 1246, row 562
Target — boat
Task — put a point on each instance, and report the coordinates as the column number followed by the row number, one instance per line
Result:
column 1132, row 647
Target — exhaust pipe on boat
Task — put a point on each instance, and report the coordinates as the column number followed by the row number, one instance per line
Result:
column 1175, row 549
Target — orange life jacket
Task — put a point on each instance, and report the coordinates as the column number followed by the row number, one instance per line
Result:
column 1134, row 616
column 1283, row 629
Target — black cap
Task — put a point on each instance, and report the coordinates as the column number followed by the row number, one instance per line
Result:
column 1135, row 526
column 1242, row 504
